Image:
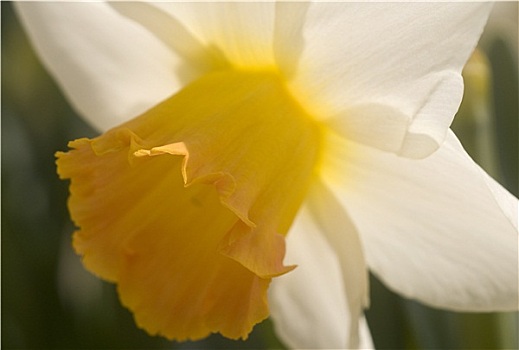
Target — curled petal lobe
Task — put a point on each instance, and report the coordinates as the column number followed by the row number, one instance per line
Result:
column 186, row 206
column 419, row 78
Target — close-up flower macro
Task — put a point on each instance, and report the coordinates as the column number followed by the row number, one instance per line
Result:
column 260, row 175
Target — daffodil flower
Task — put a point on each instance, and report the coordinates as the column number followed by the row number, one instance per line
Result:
column 319, row 131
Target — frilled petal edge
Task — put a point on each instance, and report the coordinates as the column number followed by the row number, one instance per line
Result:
column 186, row 206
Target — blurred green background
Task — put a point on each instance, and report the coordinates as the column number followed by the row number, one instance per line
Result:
column 50, row 302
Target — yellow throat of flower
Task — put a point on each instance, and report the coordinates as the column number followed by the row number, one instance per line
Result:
column 186, row 206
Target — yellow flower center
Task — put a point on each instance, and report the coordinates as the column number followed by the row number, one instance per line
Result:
column 186, row 206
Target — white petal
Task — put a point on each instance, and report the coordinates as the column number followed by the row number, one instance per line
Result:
column 309, row 305
column 241, row 31
column 388, row 70
column 366, row 342
column 338, row 228
column 198, row 57
column 438, row 229
column 288, row 35
column 110, row 68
